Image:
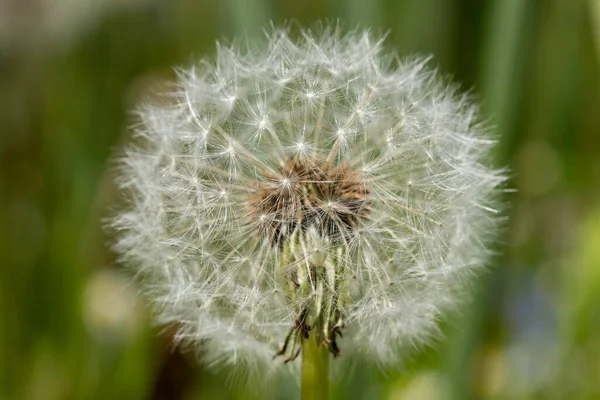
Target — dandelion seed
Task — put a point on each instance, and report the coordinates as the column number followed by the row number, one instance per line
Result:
column 317, row 190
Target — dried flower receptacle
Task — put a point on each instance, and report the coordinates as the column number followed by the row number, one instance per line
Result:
column 310, row 211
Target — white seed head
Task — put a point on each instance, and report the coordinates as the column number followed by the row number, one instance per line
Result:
column 308, row 189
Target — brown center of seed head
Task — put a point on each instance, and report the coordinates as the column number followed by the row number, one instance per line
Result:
column 304, row 193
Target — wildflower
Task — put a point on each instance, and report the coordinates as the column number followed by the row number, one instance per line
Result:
column 311, row 189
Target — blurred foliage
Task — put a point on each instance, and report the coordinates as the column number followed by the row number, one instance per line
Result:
column 71, row 324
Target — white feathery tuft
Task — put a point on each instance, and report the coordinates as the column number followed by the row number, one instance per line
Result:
column 320, row 154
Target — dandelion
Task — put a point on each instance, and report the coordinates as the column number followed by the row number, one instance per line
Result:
column 311, row 191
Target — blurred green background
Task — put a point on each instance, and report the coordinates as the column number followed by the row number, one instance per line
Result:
column 72, row 325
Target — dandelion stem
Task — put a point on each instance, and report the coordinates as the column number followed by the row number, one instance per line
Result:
column 315, row 370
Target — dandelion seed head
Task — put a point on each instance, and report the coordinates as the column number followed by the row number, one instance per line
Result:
column 308, row 188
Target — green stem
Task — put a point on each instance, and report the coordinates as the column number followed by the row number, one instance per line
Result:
column 315, row 370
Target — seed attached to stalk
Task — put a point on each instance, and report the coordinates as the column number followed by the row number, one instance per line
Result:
column 309, row 211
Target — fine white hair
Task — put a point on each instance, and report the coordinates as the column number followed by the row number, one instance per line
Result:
column 418, row 146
